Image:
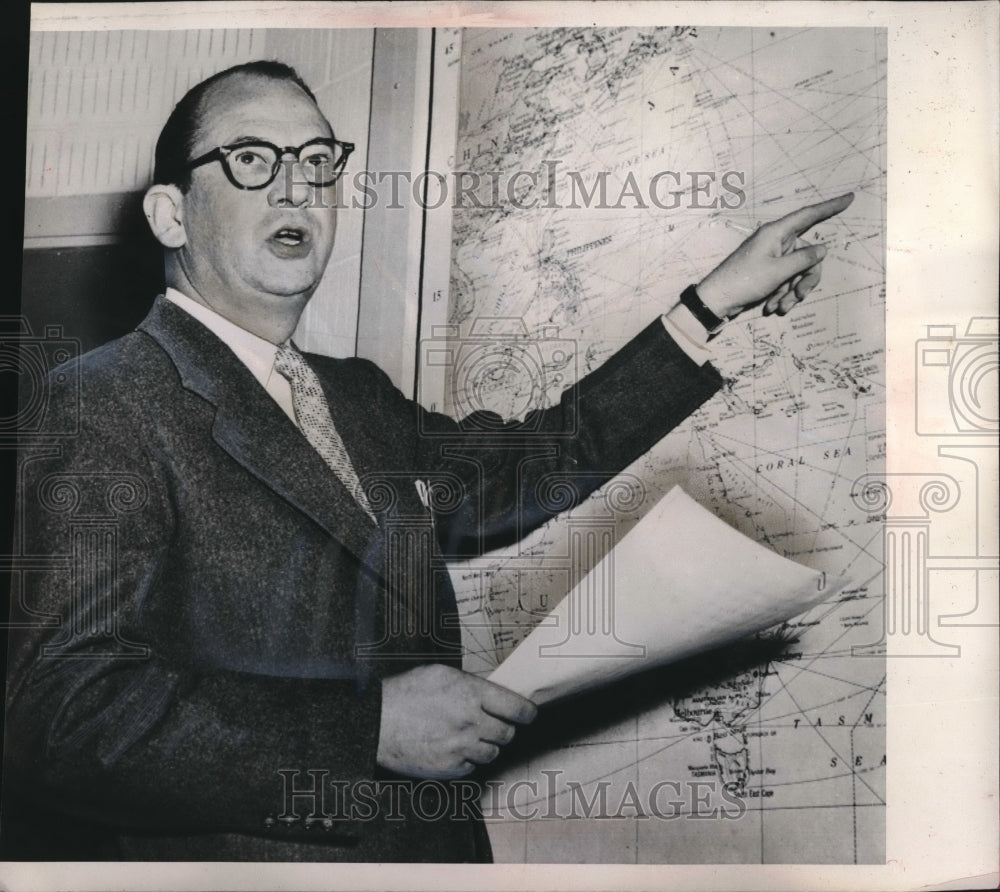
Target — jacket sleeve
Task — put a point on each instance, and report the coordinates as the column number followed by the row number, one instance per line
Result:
column 519, row 475
column 104, row 722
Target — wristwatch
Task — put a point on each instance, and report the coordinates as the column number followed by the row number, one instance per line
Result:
column 713, row 324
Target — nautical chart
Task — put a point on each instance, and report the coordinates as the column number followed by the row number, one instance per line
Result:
column 655, row 152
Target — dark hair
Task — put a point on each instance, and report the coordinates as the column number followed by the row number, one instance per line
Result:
column 178, row 136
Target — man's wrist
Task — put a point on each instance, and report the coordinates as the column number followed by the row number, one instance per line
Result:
column 714, row 296
column 710, row 320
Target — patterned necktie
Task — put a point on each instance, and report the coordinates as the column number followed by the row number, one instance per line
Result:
column 313, row 416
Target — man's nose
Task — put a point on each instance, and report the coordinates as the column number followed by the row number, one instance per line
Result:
column 290, row 187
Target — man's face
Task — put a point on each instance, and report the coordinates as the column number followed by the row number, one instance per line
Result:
column 256, row 253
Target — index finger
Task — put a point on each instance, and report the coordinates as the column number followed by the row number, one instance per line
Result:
column 797, row 222
column 503, row 703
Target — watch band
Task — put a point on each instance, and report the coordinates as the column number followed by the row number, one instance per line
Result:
column 713, row 324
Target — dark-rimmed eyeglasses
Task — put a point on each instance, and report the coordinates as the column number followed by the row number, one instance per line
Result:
column 254, row 165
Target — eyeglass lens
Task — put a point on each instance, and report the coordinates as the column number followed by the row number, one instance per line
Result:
column 255, row 165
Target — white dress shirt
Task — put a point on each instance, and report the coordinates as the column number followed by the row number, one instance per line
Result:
column 255, row 353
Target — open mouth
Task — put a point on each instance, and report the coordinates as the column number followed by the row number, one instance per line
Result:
column 290, row 242
column 291, row 236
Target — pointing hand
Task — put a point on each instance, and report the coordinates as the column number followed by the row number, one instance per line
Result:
column 769, row 267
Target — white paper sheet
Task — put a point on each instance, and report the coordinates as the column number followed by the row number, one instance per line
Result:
column 682, row 581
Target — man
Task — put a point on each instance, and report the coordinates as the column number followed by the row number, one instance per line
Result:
column 242, row 643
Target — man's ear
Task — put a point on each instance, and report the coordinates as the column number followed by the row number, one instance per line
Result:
column 163, row 208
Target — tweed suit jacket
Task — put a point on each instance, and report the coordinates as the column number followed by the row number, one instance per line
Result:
column 212, row 613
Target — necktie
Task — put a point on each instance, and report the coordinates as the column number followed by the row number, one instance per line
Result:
column 313, row 416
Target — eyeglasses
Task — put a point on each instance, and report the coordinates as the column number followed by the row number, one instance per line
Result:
column 254, row 165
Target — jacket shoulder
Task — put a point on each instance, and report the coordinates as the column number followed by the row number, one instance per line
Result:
column 126, row 358
column 105, row 384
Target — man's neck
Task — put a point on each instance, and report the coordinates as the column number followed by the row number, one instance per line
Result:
column 274, row 324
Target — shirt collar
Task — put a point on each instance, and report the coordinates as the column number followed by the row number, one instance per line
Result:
column 256, row 353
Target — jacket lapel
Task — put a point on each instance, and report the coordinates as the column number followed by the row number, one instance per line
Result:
column 254, row 430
